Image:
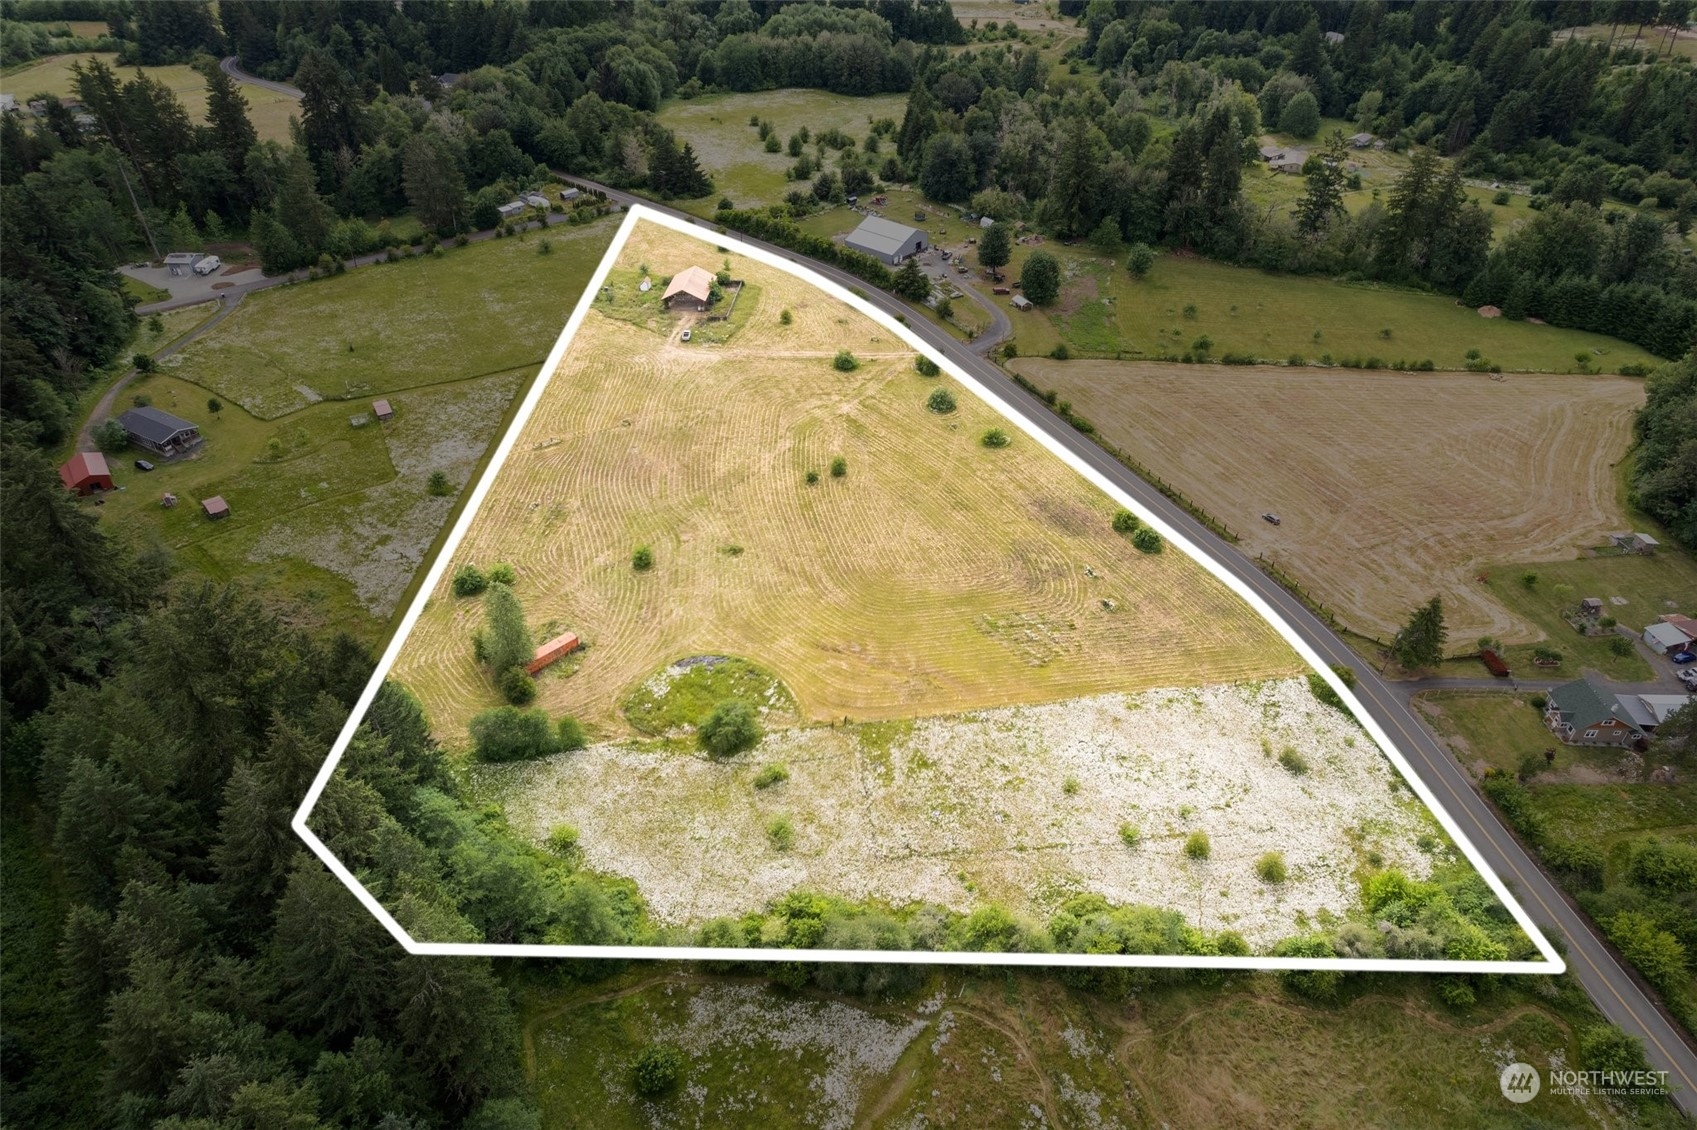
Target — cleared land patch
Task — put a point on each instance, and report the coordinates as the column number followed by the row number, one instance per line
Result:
column 1023, row 806
column 935, row 576
column 487, row 308
column 1391, row 486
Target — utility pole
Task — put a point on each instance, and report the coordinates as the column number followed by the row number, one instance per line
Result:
column 153, row 243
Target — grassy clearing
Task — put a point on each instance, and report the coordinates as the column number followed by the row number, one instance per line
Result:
column 1504, row 731
column 1378, row 515
column 989, row 590
column 1245, row 311
column 682, row 696
column 142, row 292
column 269, row 111
column 955, row 1049
column 486, row 308
column 730, row 149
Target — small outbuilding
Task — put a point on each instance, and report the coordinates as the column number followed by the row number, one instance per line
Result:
column 690, row 289
column 181, row 262
column 1635, row 542
column 1360, row 140
column 886, row 240
column 215, row 507
column 160, row 431
column 554, row 649
column 1290, row 161
column 1020, row 302
column 567, row 195
column 511, row 210
column 1684, row 623
column 86, row 472
column 1665, row 638
column 382, row 410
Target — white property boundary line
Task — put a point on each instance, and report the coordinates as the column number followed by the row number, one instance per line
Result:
column 1552, row 962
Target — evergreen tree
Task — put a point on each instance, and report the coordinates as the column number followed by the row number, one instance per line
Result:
column 1041, row 278
column 226, row 114
column 435, row 186
column 507, row 642
column 918, row 124
column 911, row 282
column 1323, row 199
column 1421, row 641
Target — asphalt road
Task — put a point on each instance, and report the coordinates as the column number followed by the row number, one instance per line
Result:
column 229, row 66
column 1605, row 978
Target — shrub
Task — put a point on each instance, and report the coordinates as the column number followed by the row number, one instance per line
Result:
column 995, row 437
column 1538, row 702
column 785, row 317
column 111, row 437
column 1606, row 1048
column 844, row 362
column 142, row 363
column 926, row 366
column 562, row 840
column 1197, row 846
column 940, row 401
column 1060, row 352
column 1125, row 522
column 1147, row 540
column 502, row 573
column 517, row 687
column 642, row 558
column 839, row 467
column 811, row 477
column 657, row 1069
column 507, row 733
column 1529, row 581
column 780, row 833
column 570, row 734
column 469, row 581
column 1041, row 278
column 1142, row 257
column 774, row 774
column 1621, row 646
column 1293, row 761
column 1070, row 786
column 439, row 486
column 1129, row 835
column 731, row 728
column 1501, row 197
column 1271, row 867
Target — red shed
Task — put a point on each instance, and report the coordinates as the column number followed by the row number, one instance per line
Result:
column 383, row 410
column 215, row 507
column 86, row 472
column 552, row 650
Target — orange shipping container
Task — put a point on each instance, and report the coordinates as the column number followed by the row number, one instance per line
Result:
column 552, row 650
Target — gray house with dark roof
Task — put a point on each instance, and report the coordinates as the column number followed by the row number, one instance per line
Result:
column 886, row 240
column 160, row 432
column 1585, row 713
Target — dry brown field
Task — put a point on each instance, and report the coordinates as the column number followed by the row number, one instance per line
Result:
column 937, row 576
column 1392, row 487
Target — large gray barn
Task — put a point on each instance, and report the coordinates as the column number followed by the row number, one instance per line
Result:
column 886, row 239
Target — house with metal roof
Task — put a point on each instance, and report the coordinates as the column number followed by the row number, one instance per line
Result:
column 160, row 432
column 86, row 472
column 690, row 289
column 1584, row 712
column 886, row 240
column 1648, row 711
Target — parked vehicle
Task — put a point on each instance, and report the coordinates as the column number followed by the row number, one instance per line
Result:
column 1689, row 677
column 1684, row 657
column 143, row 465
column 1273, row 518
column 208, row 265
column 686, row 335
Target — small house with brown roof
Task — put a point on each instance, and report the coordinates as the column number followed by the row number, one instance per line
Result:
column 215, row 507
column 382, row 410
column 690, row 289
column 86, row 472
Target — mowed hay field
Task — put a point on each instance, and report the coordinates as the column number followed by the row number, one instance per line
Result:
column 1392, row 487
column 938, row 575
column 268, row 110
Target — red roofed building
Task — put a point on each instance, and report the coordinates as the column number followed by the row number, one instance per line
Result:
column 86, row 472
column 555, row 648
